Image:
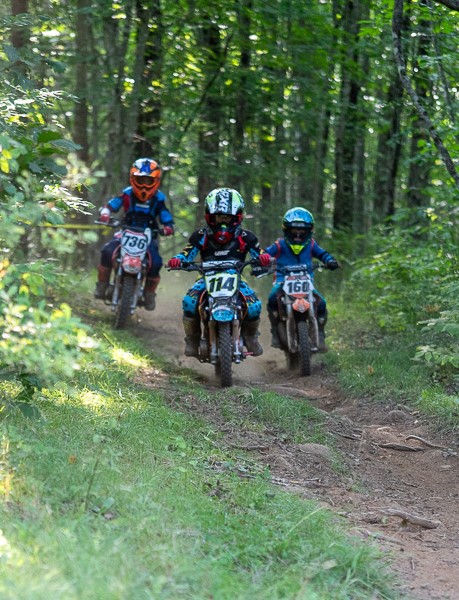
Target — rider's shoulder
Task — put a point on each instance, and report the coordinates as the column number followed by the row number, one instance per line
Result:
column 197, row 235
column 248, row 235
column 159, row 196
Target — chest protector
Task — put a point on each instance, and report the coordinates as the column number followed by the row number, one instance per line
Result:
column 140, row 215
column 236, row 249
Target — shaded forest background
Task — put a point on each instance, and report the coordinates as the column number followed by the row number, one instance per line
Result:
column 348, row 108
column 291, row 102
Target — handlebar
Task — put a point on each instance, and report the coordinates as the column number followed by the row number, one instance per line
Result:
column 298, row 268
column 216, row 265
column 114, row 223
column 111, row 223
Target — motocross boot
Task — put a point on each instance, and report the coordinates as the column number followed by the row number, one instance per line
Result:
column 103, row 279
column 192, row 329
column 322, row 344
column 273, row 319
column 150, row 292
column 250, row 334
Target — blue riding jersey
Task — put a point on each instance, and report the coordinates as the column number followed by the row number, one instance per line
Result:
column 142, row 214
column 285, row 256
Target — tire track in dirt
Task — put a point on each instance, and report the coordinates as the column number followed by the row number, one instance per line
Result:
column 389, row 480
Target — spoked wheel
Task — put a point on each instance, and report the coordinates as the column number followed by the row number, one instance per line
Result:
column 225, row 351
column 124, row 307
column 304, row 345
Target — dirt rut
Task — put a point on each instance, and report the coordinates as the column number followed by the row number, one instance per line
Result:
column 401, row 485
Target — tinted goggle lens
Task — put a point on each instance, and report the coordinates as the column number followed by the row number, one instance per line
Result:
column 144, row 179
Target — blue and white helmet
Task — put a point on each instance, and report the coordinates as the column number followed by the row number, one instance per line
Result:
column 298, row 225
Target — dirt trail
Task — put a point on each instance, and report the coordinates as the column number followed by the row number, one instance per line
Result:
column 390, row 480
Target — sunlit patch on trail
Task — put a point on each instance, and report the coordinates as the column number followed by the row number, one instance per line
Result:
column 123, row 356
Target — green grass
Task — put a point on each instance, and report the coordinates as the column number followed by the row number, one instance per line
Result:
column 378, row 366
column 112, row 494
column 257, row 410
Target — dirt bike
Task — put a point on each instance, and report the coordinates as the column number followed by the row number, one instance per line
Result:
column 222, row 309
column 130, row 264
column 298, row 326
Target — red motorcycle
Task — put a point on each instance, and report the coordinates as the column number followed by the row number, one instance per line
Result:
column 130, row 265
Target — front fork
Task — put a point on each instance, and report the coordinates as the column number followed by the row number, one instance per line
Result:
column 236, row 340
column 117, row 285
column 291, row 328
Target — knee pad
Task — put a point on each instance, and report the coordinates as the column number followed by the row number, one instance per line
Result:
column 254, row 310
column 190, row 305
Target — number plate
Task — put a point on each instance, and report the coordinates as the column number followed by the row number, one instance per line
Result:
column 135, row 243
column 296, row 286
column 221, row 285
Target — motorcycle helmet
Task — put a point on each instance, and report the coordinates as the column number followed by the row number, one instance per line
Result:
column 298, row 225
column 224, row 208
column 145, row 177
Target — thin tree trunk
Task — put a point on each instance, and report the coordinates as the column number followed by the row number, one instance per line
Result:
column 388, row 155
column 19, row 35
column 80, row 124
column 209, row 136
column 19, row 40
column 397, row 22
column 236, row 176
column 348, row 124
column 148, row 142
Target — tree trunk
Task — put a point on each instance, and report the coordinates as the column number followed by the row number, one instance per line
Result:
column 388, row 155
column 420, row 166
column 80, row 123
column 148, row 140
column 348, row 123
column 209, row 135
column 19, row 35
column 236, row 175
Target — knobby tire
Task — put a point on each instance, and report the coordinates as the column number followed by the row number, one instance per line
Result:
column 123, row 310
column 304, row 347
column 225, row 354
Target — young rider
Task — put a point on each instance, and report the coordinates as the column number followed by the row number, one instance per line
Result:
column 297, row 247
column 221, row 239
column 143, row 204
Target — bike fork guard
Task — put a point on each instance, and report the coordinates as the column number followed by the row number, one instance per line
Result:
column 237, row 341
column 131, row 264
column 301, row 305
column 213, row 355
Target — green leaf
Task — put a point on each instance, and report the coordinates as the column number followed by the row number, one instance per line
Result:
column 48, row 136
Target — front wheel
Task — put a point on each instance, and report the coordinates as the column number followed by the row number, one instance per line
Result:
column 123, row 310
column 225, row 354
column 304, row 349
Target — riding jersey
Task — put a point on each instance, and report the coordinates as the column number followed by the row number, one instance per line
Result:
column 142, row 214
column 139, row 214
column 201, row 242
column 236, row 249
column 285, row 256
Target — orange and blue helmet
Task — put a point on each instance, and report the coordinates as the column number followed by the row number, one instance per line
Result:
column 145, row 178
